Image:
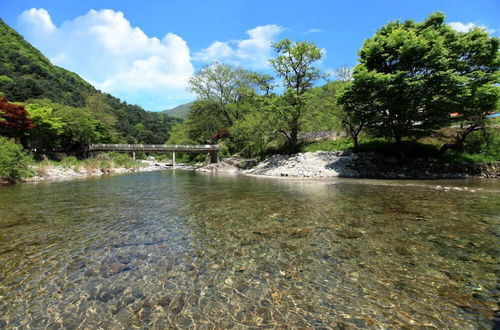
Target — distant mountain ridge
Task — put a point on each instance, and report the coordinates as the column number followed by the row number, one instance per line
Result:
column 26, row 74
column 180, row 111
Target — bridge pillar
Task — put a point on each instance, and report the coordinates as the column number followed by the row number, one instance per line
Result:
column 173, row 158
column 212, row 157
column 133, row 155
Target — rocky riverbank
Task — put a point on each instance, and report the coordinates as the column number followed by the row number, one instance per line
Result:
column 230, row 165
column 303, row 165
column 367, row 165
column 61, row 173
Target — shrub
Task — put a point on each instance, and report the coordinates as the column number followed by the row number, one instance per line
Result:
column 69, row 161
column 14, row 161
column 123, row 160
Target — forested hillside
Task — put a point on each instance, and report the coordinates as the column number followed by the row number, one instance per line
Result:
column 26, row 75
column 180, row 111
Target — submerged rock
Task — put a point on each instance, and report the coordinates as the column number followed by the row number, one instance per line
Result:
column 300, row 233
column 108, row 269
column 350, row 234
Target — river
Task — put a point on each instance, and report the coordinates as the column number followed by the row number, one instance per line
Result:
column 184, row 249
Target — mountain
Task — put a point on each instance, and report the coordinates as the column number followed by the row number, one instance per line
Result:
column 26, row 74
column 180, row 111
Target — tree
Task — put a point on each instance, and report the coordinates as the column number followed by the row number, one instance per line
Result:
column 222, row 86
column 203, row 120
column 102, row 111
column 80, row 128
column 354, row 113
column 262, row 82
column 477, row 60
column 47, row 128
column 294, row 63
column 254, row 133
column 411, row 76
column 322, row 108
column 14, row 161
column 14, row 121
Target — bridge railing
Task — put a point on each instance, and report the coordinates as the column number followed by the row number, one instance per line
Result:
column 149, row 147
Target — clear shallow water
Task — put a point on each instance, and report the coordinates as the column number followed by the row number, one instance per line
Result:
column 164, row 249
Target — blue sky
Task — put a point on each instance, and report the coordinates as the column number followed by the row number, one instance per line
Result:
column 145, row 51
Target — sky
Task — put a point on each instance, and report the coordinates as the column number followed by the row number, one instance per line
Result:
column 145, row 51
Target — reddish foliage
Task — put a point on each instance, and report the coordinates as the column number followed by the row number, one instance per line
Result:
column 221, row 133
column 15, row 119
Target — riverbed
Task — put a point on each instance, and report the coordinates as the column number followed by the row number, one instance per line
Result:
column 186, row 249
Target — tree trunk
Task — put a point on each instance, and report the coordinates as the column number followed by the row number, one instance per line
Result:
column 458, row 144
column 356, row 142
column 399, row 146
column 293, row 145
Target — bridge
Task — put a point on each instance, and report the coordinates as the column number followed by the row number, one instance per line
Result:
column 209, row 149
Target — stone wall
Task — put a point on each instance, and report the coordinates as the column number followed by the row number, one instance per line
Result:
column 372, row 165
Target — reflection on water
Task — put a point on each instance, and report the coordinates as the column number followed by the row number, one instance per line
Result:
column 184, row 249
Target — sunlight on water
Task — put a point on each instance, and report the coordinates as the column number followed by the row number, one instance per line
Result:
column 184, row 249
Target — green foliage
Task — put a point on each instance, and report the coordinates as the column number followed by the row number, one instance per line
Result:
column 81, row 128
column 69, row 161
column 454, row 157
column 26, row 74
column 322, row 108
column 180, row 111
column 340, row 144
column 477, row 150
column 48, row 127
column 14, row 161
column 481, row 146
column 64, row 126
column 121, row 159
column 180, row 135
column 224, row 151
column 31, row 75
column 253, row 134
column 223, row 95
column 226, row 95
column 412, row 75
column 294, row 63
column 101, row 162
column 411, row 149
column 203, row 120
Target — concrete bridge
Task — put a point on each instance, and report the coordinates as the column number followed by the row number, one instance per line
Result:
column 209, row 149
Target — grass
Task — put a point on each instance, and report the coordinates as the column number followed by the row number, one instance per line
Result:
column 411, row 149
column 105, row 161
column 469, row 158
column 339, row 144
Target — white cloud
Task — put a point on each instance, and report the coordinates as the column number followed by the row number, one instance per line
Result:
column 466, row 27
column 215, row 52
column 120, row 59
column 39, row 19
column 253, row 52
column 312, row 31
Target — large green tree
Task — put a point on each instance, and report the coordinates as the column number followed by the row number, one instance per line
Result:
column 219, row 87
column 45, row 134
column 294, row 64
column 225, row 95
column 476, row 60
column 412, row 75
